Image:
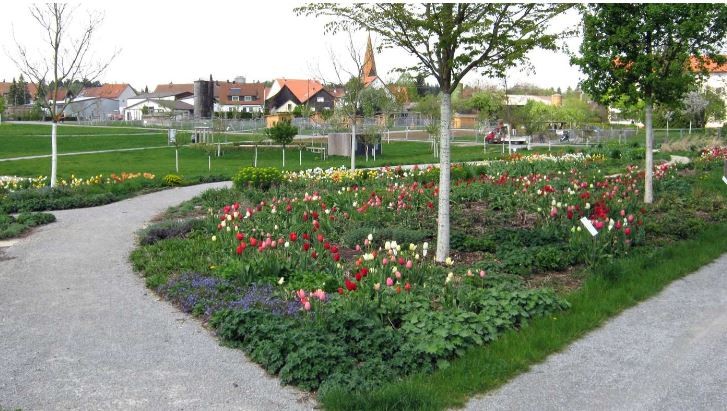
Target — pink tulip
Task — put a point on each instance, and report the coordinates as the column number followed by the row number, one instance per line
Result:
column 409, row 264
column 389, row 281
column 482, row 273
column 553, row 212
column 301, row 294
column 398, row 275
column 306, row 305
column 385, row 261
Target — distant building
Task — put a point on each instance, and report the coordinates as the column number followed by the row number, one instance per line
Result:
column 240, row 97
column 717, row 81
column 106, row 102
column 286, row 94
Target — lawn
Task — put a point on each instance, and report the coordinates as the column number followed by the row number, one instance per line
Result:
column 18, row 140
column 327, row 281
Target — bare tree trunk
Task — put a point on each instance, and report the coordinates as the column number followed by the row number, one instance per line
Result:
column 53, row 153
column 353, row 144
column 649, row 179
column 444, row 185
column 283, row 156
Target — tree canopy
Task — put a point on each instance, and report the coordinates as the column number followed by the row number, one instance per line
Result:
column 649, row 51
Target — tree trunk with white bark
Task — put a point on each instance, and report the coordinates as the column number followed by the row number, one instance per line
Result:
column 649, row 179
column 444, row 183
column 53, row 153
column 353, row 144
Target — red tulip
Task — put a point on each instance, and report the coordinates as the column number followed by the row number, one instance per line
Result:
column 340, row 290
column 293, row 237
column 336, row 257
column 320, row 238
column 253, row 241
column 314, row 254
column 240, row 236
column 627, row 231
column 306, row 246
column 359, row 276
column 350, row 286
column 334, row 249
column 407, row 286
column 327, row 245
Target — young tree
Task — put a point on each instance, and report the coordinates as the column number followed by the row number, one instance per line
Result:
column 649, row 52
column 449, row 41
column 2, row 108
column 67, row 59
column 282, row 132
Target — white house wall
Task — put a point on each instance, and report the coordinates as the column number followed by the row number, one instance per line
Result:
column 92, row 108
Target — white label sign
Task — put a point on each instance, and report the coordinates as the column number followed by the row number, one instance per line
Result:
column 587, row 223
column 724, row 179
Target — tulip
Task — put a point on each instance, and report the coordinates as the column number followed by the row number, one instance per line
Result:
column 389, row 281
column 377, row 286
column 409, row 264
column 306, row 305
column 240, row 236
column 407, row 287
column 293, row 237
column 397, row 275
column 482, row 273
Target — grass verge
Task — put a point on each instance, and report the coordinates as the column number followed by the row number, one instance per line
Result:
column 485, row 368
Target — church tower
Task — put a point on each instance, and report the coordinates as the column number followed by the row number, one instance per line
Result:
column 369, row 66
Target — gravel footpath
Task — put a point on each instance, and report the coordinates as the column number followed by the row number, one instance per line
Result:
column 668, row 353
column 79, row 329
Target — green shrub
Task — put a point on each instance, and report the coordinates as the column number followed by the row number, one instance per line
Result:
column 172, row 180
column 257, row 177
column 169, row 229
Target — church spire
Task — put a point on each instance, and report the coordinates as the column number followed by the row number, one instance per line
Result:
column 369, row 66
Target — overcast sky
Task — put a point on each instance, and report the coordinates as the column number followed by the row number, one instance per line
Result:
column 162, row 42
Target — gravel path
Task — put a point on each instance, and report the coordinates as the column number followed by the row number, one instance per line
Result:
column 79, row 329
column 668, row 353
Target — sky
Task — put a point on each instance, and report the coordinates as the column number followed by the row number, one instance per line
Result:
column 162, row 42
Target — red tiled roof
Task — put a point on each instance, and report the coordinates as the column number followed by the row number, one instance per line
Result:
column 710, row 65
column 110, row 91
column 226, row 90
column 301, row 89
column 174, row 88
column 4, row 88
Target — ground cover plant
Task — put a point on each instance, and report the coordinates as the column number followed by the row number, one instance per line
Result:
column 16, row 226
column 326, row 277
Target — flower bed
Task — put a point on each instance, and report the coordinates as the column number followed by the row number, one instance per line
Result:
column 328, row 280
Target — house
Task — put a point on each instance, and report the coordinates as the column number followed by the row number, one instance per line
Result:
column 240, row 97
column 716, row 80
column 287, row 94
column 157, row 105
column 105, row 102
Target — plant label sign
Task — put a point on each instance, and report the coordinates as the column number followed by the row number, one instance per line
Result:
column 589, row 226
column 724, row 178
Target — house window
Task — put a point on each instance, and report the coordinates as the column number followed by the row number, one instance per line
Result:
column 290, row 107
column 235, row 98
column 248, row 98
column 235, row 90
column 320, row 99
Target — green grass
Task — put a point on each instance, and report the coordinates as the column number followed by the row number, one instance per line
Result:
column 18, row 140
column 194, row 161
column 488, row 367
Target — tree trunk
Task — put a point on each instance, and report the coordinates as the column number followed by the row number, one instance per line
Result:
column 444, row 186
column 649, row 179
column 283, row 156
column 353, row 144
column 53, row 153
